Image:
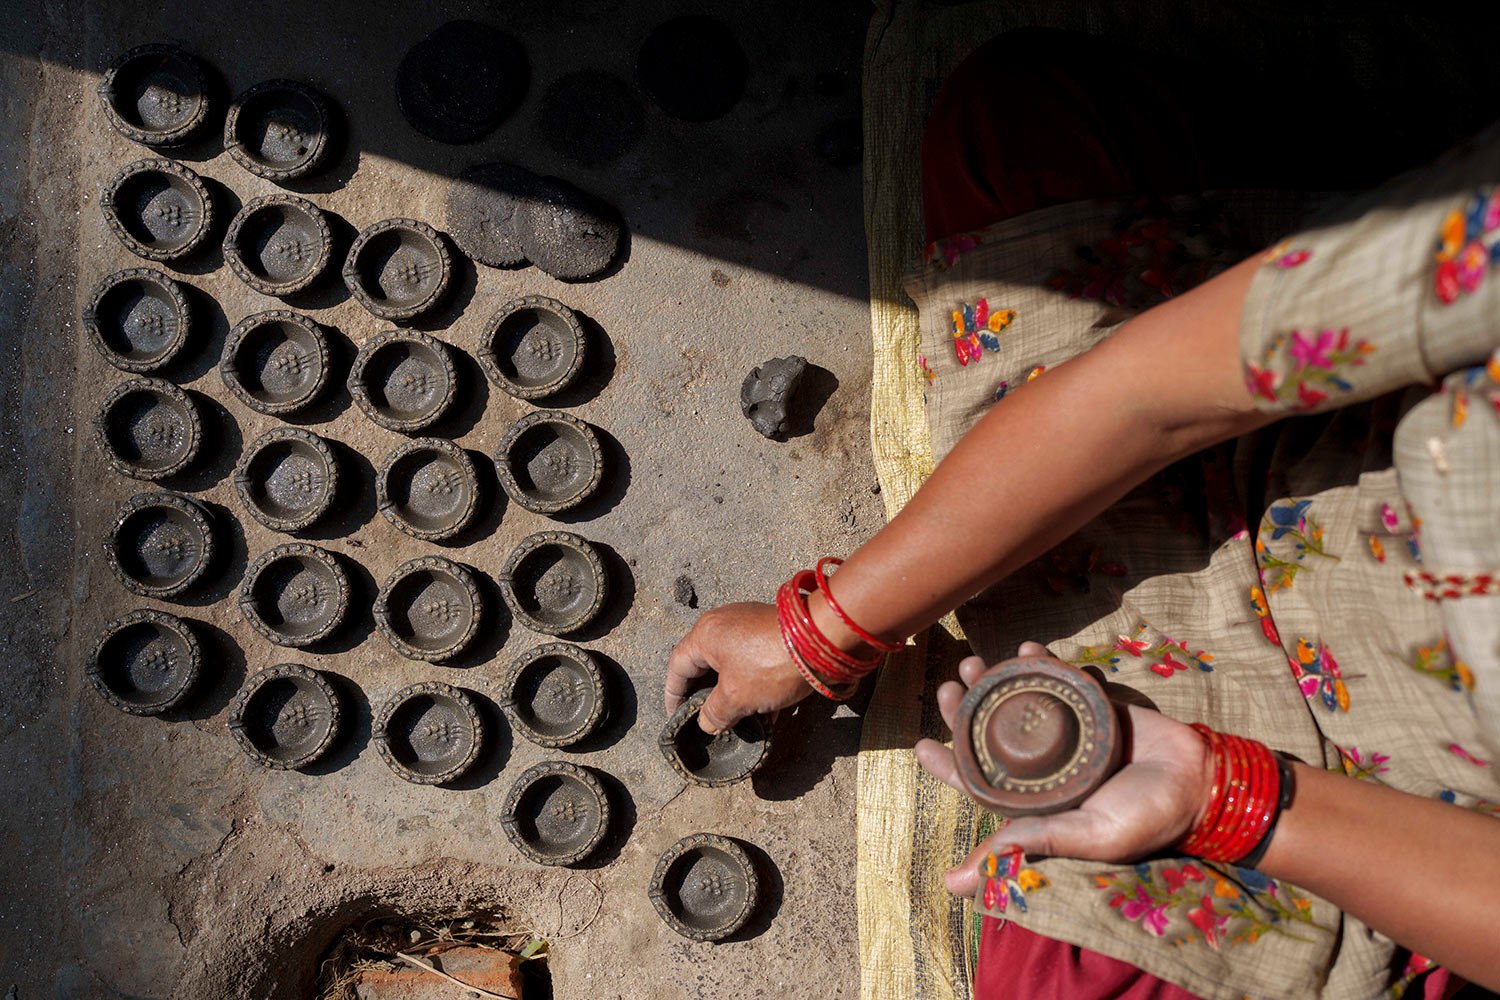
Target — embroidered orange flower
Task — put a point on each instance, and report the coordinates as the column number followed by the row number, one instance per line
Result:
column 1305, row 652
column 1377, row 549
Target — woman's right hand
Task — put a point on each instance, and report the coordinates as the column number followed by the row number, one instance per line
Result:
column 742, row 644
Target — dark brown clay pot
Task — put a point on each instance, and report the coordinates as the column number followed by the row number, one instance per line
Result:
column 287, row 479
column 295, row 594
column 554, row 695
column 146, row 663
column 278, row 244
column 549, row 462
column 705, row 887
column 156, row 95
column 731, row 756
column 403, row 380
column 398, row 269
column 148, row 428
column 276, row 362
column 429, row 609
column 159, row 209
column 279, row 130
column 285, row 717
column 556, row 813
column 428, row 488
column 554, row 582
column 138, row 319
column 533, row 347
column 162, row 544
column 429, row 733
column 1035, row 735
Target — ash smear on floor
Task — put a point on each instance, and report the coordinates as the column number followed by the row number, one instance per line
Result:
column 149, row 857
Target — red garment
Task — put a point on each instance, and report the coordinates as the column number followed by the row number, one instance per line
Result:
column 1016, row 963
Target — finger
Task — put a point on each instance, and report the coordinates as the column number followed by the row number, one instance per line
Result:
column 950, row 694
column 969, row 669
column 684, row 667
column 938, row 761
column 720, row 711
column 1033, row 649
column 1066, row 834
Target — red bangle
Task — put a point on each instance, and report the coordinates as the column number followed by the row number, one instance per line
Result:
column 844, row 663
column 1244, row 799
column 828, row 670
column 827, row 591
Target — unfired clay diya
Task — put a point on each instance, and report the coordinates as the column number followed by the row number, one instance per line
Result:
column 429, row 609
column 1035, row 735
column 155, row 95
column 460, row 82
column 295, row 594
column 145, row 663
column 705, row 887
column 732, row 755
column 286, row 716
column 556, row 813
column 554, row 695
column 549, row 461
column 276, row 362
column 278, row 129
column 429, row 733
column 554, row 582
column 533, row 347
column 484, row 212
column 161, row 544
column 398, row 269
column 428, row 488
column 279, row 244
column 159, row 209
column 138, row 319
column 287, row 478
column 148, row 428
column 404, row 380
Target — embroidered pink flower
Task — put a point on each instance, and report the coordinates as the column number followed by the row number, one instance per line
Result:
column 1389, row 518
column 1153, row 917
column 1176, row 878
column 1313, row 352
column 1206, row 919
column 1132, row 646
column 1308, row 397
column 1168, row 666
column 1261, row 382
column 1463, row 754
column 1445, row 282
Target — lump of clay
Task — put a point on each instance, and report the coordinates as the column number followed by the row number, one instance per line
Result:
column 484, row 212
column 460, row 82
column 569, row 233
column 766, row 395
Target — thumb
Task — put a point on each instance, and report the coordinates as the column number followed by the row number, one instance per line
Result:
column 719, row 711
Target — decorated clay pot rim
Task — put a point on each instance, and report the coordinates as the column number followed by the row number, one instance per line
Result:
column 292, row 550
column 542, row 303
column 1083, row 694
column 260, row 679
column 562, row 539
column 145, row 275
column 563, row 650
column 161, row 388
column 537, row 773
column 166, row 622
column 171, row 168
column 693, row 842
column 361, row 393
column 507, row 475
column 187, row 507
column 433, row 689
column 171, row 137
column 437, row 565
column 242, row 480
column 415, row 309
column 684, row 716
column 314, row 158
column 242, row 270
column 229, row 368
column 453, row 453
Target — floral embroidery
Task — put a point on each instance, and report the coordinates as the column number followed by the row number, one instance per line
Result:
column 1001, row 890
column 1165, row 655
column 1263, row 612
column 1217, row 904
column 1002, row 390
column 1358, row 764
column 1460, row 408
column 1482, row 806
column 1377, row 548
column 1318, row 673
column 1388, row 518
column 1289, row 519
column 1465, row 247
column 974, row 328
column 1438, row 661
column 1416, row 965
column 945, row 252
column 1283, row 256
column 1464, row 755
column 928, row 375
column 1035, row 373
column 1318, row 361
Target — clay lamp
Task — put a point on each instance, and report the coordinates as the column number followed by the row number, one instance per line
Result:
column 159, row 209
column 145, row 663
column 286, row 716
column 429, row 609
column 295, row 594
column 138, row 319
column 278, row 130
column 156, row 95
column 161, row 544
column 404, row 380
column 731, row 756
column 287, row 478
column 549, row 462
column 148, row 428
column 705, row 887
column 554, row 695
column 429, row 733
column 398, row 269
column 556, row 813
column 279, row 244
column 276, row 362
column 533, row 347
column 554, row 582
column 428, row 488
column 1035, row 735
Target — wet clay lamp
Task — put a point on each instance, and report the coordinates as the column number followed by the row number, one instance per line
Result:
column 1035, row 735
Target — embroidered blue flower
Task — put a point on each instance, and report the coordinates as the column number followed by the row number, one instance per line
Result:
column 1287, row 519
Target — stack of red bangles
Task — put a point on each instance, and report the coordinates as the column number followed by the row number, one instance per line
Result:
column 829, row 670
column 1251, row 786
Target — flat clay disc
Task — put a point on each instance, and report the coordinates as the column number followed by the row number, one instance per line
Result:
column 568, row 233
column 461, row 81
column 484, row 209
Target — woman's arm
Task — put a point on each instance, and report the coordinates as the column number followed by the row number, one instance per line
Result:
column 1055, row 454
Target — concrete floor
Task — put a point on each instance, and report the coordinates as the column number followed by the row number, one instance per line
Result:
column 149, row 857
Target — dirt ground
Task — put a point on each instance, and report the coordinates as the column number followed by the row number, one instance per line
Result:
column 145, row 857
